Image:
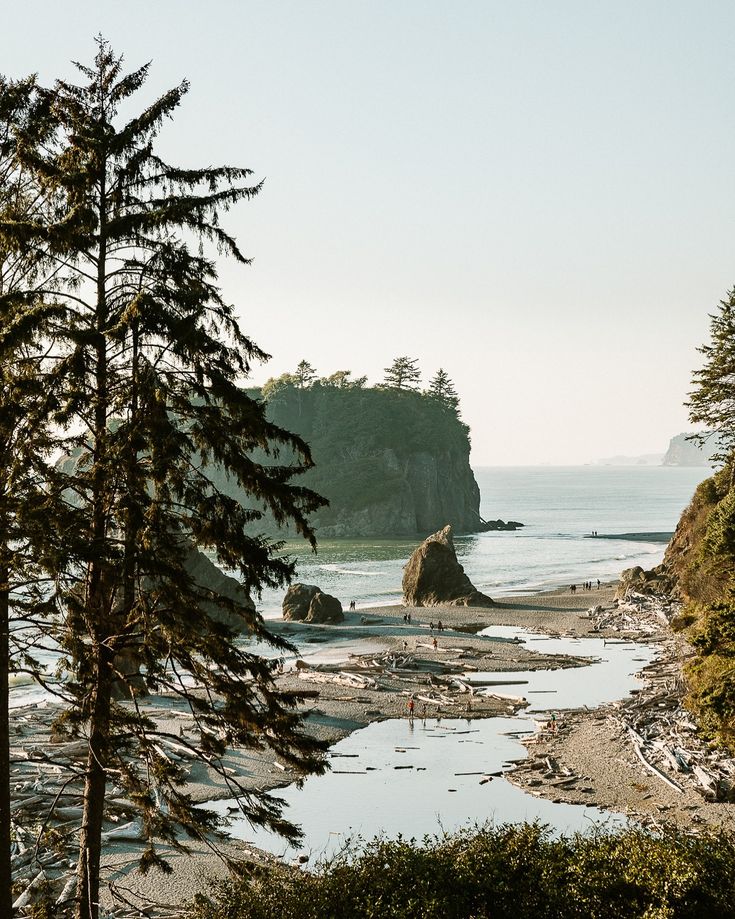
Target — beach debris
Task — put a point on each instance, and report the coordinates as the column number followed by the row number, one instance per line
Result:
column 663, row 735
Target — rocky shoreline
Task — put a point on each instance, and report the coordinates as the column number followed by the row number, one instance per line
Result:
column 641, row 756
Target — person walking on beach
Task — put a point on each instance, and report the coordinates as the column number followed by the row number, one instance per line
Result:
column 411, row 705
column 440, row 626
column 436, row 643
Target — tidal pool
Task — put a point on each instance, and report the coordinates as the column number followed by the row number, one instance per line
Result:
column 397, row 778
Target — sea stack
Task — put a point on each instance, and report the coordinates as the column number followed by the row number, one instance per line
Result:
column 434, row 577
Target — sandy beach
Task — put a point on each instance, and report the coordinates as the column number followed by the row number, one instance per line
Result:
column 591, row 745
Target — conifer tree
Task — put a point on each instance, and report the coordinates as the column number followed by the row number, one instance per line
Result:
column 442, row 389
column 712, row 402
column 145, row 371
column 403, row 373
column 304, row 375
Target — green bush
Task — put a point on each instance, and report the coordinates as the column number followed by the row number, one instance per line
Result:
column 510, row 872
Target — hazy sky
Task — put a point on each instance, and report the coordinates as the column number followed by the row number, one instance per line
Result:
column 537, row 196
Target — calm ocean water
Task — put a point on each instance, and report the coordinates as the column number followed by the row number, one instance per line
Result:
column 560, row 507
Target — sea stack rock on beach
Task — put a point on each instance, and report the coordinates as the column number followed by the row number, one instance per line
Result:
column 306, row 603
column 434, row 577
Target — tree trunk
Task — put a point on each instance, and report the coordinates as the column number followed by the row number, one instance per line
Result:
column 98, row 605
column 90, row 845
column 6, row 896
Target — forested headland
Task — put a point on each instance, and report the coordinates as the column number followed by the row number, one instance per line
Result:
column 391, row 459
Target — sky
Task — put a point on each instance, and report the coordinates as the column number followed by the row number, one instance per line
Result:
column 537, row 196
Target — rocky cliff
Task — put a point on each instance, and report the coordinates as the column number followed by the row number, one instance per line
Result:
column 683, row 452
column 699, row 569
column 391, row 463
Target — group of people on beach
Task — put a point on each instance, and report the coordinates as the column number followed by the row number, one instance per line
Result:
column 588, row 585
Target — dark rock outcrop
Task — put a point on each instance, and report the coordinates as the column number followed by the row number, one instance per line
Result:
column 207, row 575
column 325, row 608
column 489, row 526
column 434, row 577
column 637, row 580
column 306, row 603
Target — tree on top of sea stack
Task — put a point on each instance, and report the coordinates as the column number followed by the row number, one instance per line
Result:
column 442, row 389
column 403, row 373
column 712, row 402
column 146, row 371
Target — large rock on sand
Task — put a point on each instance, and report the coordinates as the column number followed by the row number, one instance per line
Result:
column 636, row 580
column 434, row 577
column 306, row 603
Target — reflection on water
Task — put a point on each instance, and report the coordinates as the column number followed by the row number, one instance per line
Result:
column 394, row 777
column 611, row 677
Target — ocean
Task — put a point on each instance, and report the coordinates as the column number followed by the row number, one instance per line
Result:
column 560, row 508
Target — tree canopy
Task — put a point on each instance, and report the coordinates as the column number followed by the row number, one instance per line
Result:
column 403, row 373
column 442, row 389
column 712, row 401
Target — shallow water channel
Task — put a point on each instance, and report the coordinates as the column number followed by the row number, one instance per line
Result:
column 393, row 777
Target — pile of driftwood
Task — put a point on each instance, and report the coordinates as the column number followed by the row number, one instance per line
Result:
column 636, row 614
column 434, row 682
column 46, row 810
column 664, row 736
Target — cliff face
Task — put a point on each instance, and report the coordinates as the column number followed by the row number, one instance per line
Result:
column 683, row 452
column 391, row 463
column 420, row 490
column 699, row 560
column 700, row 566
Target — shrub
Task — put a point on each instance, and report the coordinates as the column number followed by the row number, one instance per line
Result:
column 510, row 872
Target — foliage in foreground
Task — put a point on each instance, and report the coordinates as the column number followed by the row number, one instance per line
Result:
column 512, row 871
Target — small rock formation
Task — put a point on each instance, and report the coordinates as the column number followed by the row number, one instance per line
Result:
column 636, row 580
column 488, row 526
column 434, row 577
column 306, row 603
